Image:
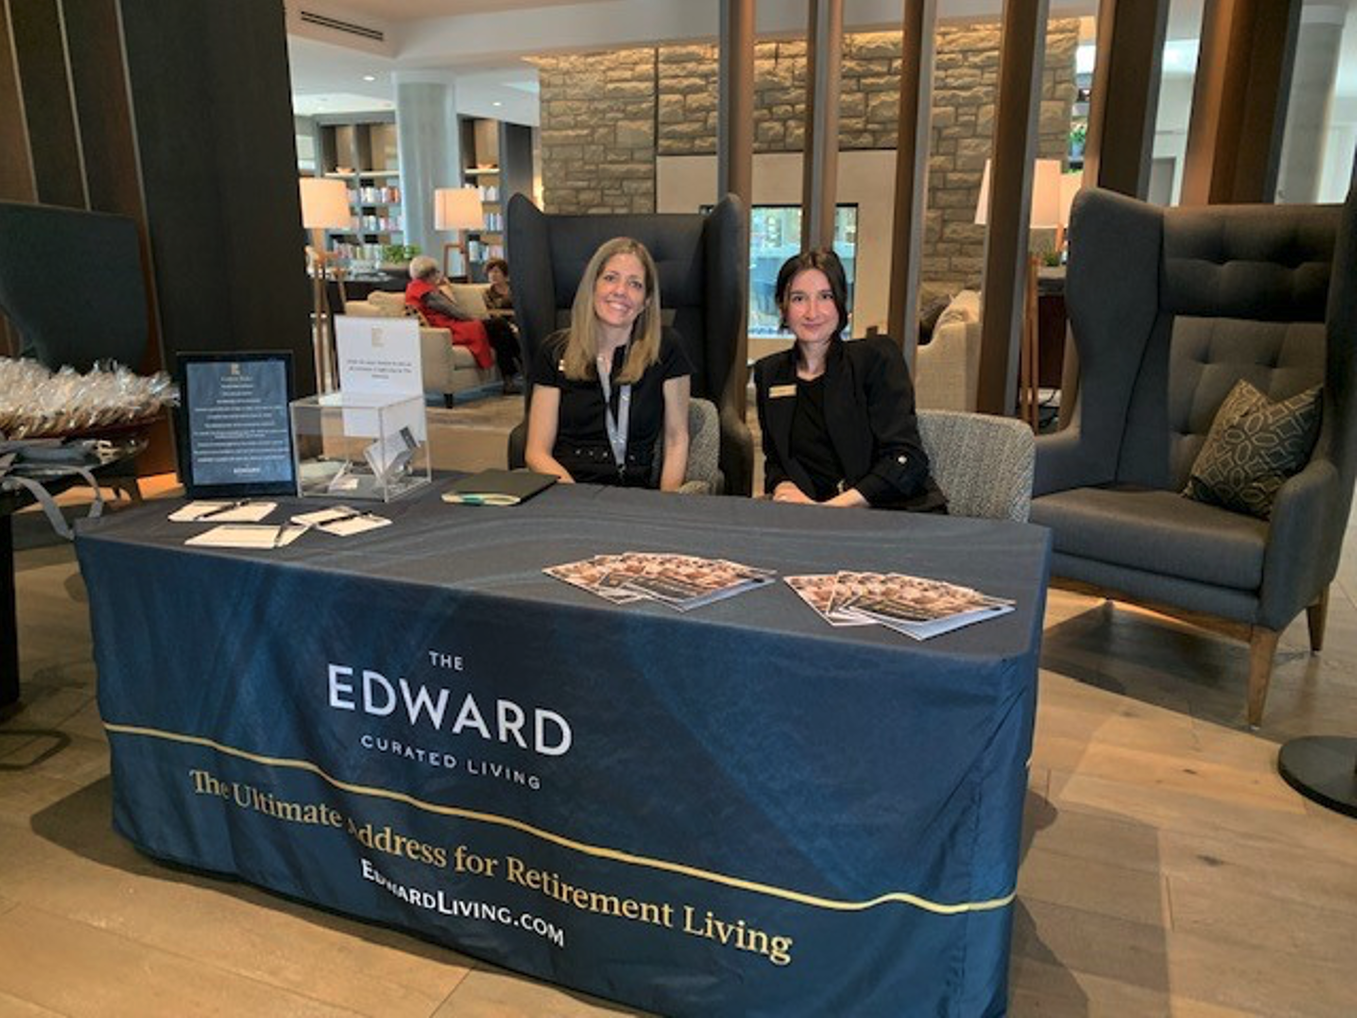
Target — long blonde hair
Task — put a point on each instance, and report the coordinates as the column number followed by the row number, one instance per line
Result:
column 581, row 347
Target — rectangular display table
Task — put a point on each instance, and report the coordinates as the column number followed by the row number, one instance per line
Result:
column 737, row 810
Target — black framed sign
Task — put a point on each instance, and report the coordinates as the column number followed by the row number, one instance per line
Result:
column 234, row 433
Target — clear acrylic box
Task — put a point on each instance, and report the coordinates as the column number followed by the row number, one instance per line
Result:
column 360, row 445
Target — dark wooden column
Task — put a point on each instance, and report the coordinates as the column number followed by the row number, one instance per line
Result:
column 1234, row 138
column 1125, row 95
column 45, row 84
column 735, row 152
column 177, row 114
column 819, row 181
column 735, row 118
column 911, row 170
column 16, row 165
column 1022, row 52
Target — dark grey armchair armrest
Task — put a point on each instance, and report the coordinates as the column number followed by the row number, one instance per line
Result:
column 1303, row 543
column 1064, row 461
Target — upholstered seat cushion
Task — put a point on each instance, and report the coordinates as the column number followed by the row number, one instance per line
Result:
column 1157, row 532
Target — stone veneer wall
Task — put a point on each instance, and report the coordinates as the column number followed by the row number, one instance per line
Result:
column 607, row 116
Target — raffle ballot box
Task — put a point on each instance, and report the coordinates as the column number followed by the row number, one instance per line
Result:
column 360, row 445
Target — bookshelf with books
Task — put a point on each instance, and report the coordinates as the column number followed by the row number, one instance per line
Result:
column 363, row 155
column 497, row 160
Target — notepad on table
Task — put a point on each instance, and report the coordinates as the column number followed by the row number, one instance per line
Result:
column 247, row 535
column 498, row 487
column 222, row 511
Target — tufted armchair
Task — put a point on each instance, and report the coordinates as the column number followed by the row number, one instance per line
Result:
column 1169, row 308
column 704, row 271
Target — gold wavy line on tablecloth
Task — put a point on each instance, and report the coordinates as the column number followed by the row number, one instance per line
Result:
column 598, row 851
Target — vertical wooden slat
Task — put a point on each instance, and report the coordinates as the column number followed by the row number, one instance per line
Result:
column 1239, row 101
column 819, row 182
column 735, row 153
column 54, row 146
column 911, row 170
column 16, row 163
column 1021, row 57
column 735, row 117
column 1125, row 96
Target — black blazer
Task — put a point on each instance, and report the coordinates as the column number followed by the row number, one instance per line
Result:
column 869, row 410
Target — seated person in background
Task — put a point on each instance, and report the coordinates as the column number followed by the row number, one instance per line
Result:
column 427, row 292
column 604, row 387
column 498, row 296
column 837, row 417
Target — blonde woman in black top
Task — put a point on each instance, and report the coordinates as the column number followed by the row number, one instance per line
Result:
column 605, row 388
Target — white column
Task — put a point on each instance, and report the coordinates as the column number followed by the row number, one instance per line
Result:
column 429, row 144
column 1307, row 110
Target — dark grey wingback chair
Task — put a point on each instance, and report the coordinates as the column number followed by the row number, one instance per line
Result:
column 71, row 283
column 704, row 267
column 1168, row 309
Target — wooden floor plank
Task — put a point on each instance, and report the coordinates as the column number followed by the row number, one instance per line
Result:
column 115, row 977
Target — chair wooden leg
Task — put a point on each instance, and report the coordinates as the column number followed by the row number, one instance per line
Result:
column 1316, row 615
column 1262, row 649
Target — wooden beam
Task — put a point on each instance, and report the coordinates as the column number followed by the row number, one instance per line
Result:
column 1022, row 52
column 45, row 85
column 735, row 116
column 911, row 170
column 1239, row 97
column 1125, row 96
column 735, row 155
column 819, row 183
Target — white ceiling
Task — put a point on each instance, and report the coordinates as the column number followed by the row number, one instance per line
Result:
column 480, row 44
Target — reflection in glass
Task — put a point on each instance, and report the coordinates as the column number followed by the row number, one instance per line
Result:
column 775, row 236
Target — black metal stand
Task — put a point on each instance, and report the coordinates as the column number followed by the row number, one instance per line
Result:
column 1322, row 768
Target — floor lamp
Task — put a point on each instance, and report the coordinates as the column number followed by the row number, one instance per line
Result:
column 325, row 206
column 457, row 208
column 1048, row 212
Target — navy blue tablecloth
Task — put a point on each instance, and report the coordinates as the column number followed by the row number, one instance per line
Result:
column 738, row 810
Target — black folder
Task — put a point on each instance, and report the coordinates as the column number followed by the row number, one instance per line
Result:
column 497, row 487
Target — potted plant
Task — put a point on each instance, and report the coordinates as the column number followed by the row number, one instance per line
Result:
column 1078, row 135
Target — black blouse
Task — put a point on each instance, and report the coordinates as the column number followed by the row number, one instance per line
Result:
column 811, row 446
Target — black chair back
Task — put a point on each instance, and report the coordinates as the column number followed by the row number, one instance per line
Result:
column 71, row 283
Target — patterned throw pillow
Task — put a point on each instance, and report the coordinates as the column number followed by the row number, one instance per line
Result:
column 1254, row 445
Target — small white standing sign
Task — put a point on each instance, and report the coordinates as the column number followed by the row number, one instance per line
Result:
column 380, row 357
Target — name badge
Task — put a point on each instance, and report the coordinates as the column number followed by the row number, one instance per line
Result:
column 778, row 391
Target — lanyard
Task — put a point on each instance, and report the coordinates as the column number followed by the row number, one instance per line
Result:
column 616, row 424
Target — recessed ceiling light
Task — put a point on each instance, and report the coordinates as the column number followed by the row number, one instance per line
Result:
column 497, row 103
column 369, row 77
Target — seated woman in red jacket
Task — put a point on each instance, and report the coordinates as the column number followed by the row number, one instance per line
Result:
column 439, row 309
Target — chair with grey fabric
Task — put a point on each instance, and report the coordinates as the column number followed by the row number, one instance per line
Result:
column 703, row 475
column 1169, row 308
column 704, row 270
column 982, row 463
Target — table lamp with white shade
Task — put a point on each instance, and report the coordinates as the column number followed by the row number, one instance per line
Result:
column 457, row 208
column 325, row 206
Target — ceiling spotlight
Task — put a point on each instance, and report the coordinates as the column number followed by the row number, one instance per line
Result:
column 369, row 77
column 497, row 103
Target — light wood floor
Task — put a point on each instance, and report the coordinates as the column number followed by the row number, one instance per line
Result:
column 1167, row 869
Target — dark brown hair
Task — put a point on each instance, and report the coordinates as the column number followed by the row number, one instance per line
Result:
column 826, row 261
column 497, row 263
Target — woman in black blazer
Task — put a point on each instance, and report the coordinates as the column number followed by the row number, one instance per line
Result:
column 837, row 417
